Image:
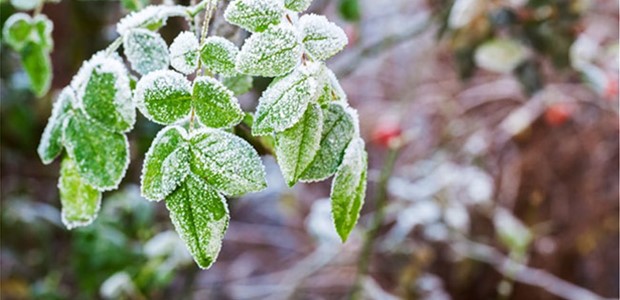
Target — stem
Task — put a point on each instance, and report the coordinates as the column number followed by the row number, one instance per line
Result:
column 114, row 45
column 381, row 200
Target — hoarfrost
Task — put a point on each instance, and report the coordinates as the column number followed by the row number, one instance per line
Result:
column 321, row 38
column 146, row 51
column 254, row 15
column 273, row 52
column 51, row 139
column 163, row 96
column 184, row 52
column 149, row 16
column 80, row 201
column 219, row 55
column 215, row 105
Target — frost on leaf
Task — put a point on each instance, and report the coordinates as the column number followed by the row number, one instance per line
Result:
column 297, row 5
column 321, row 38
column 226, row 162
column 80, row 201
column 349, row 188
column 25, row 4
column 38, row 66
column 42, row 34
column 166, row 164
column 254, row 15
column 338, row 129
column 297, row 146
column 218, row 55
column 146, row 51
column 200, row 216
column 184, row 52
column 284, row 102
column 273, row 52
column 331, row 89
column 500, row 55
column 101, row 156
column 51, row 140
column 102, row 87
column 151, row 17
column 239, row 84
column 163, row 96
column 16, row 30
column 215, row 105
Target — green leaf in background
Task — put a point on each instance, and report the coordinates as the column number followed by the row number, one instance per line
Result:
column 166, row 164
column 350, row 10
column 254, row 15
column 101, row 156
column 338, row 130
column 297, row 146
column 164, row 96
column 239, row 84
column 284, row 102
column 297, row 5
column 43, row 31
column 349, row 188
column 80, row 201
column 16, row 30
column 200, row 216
column 38, row 67
column 184, row 52
column 215, row 105
column 218, row 55
column 226, row 162
column 273, row 52
column 322, row 39
column 146, row 51
column 51, row 139
column 134, row 5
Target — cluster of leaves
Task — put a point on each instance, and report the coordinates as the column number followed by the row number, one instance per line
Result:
column 194, row 162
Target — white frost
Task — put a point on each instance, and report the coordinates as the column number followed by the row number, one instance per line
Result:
column 184, row 52
column 322, row 39
column 149, row 15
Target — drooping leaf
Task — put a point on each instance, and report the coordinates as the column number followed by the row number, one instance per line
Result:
column 38, row 67
column 101, row 156
column 239, row 84
column 151, row 17
column 145, row 50
column 218, row 55
column 16, row 30
column 80, row 201
column 164, row 96
column 184, row 52
column 297, row 146
column 226, row 162
column 42, row 33
column 274, row 52
column 297, row 5
column 214, row 104
column 349, row 188
column 166, row 164
column 338, row 130
column 51, row 139
column 284, row 102
column 321, row 38
column 200, row 216
column 254, row 15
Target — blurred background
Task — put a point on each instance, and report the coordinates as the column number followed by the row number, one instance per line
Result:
column 492, row 130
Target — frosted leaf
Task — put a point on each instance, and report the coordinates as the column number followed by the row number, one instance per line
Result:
column 226, row 162
column 331, row 89
column 218, row 55
column 214, row 104
column 25, row 4
column 349, row 188
column 284, row 102
column 146, row 51
column 101, row 156
column 163, row 96
column 297, row 5
column 200, row 216
column 239, row 84
column 16, row 30
column 500, row 55
column 166, row 164
column 80, row 201
column 38, row 66
column 321, row 38
column 104, row 94
column 152, row 17
column 464, row 12
column 254, row 15
column 42, row 33
column 51, row 139
column 297, row 146
column 338, row 129
column 273, row 52
column 184, row 52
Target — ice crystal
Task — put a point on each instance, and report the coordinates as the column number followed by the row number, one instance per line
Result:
column 273, row 52
column 146, row 51
column 153, row 15
column 321, row 38
column 254, row 15
column 163, row 96
column 184, row 52
column 215, row 105
column 51, row 140
column 219, row 55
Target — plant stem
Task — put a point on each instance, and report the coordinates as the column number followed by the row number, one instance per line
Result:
column 381, row 201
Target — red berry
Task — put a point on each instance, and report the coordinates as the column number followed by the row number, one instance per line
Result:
column 611, row 90
column 386, row 132
column 557, row 114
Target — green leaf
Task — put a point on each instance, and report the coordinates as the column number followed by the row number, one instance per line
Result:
column 16, row 30
column 25, row 4
column 350, row 10
column 151, row 17
column 80, row 201
column 184, row 52
column 321, row 38
column 239, row 84
column 338, row 129
column 215, row 105
column 146, row 51
column 218, row 55
column 226, row 162
column 297, row 5
column 254, row 15
column 166, row 164
column 38, row 67
column 332, row 90
column 284, row 102
column 101, row 156
column 200, row 216
column 163, row 96
column 51, row 140
column 273, row 52
column 43, row 32
column 297, row 146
